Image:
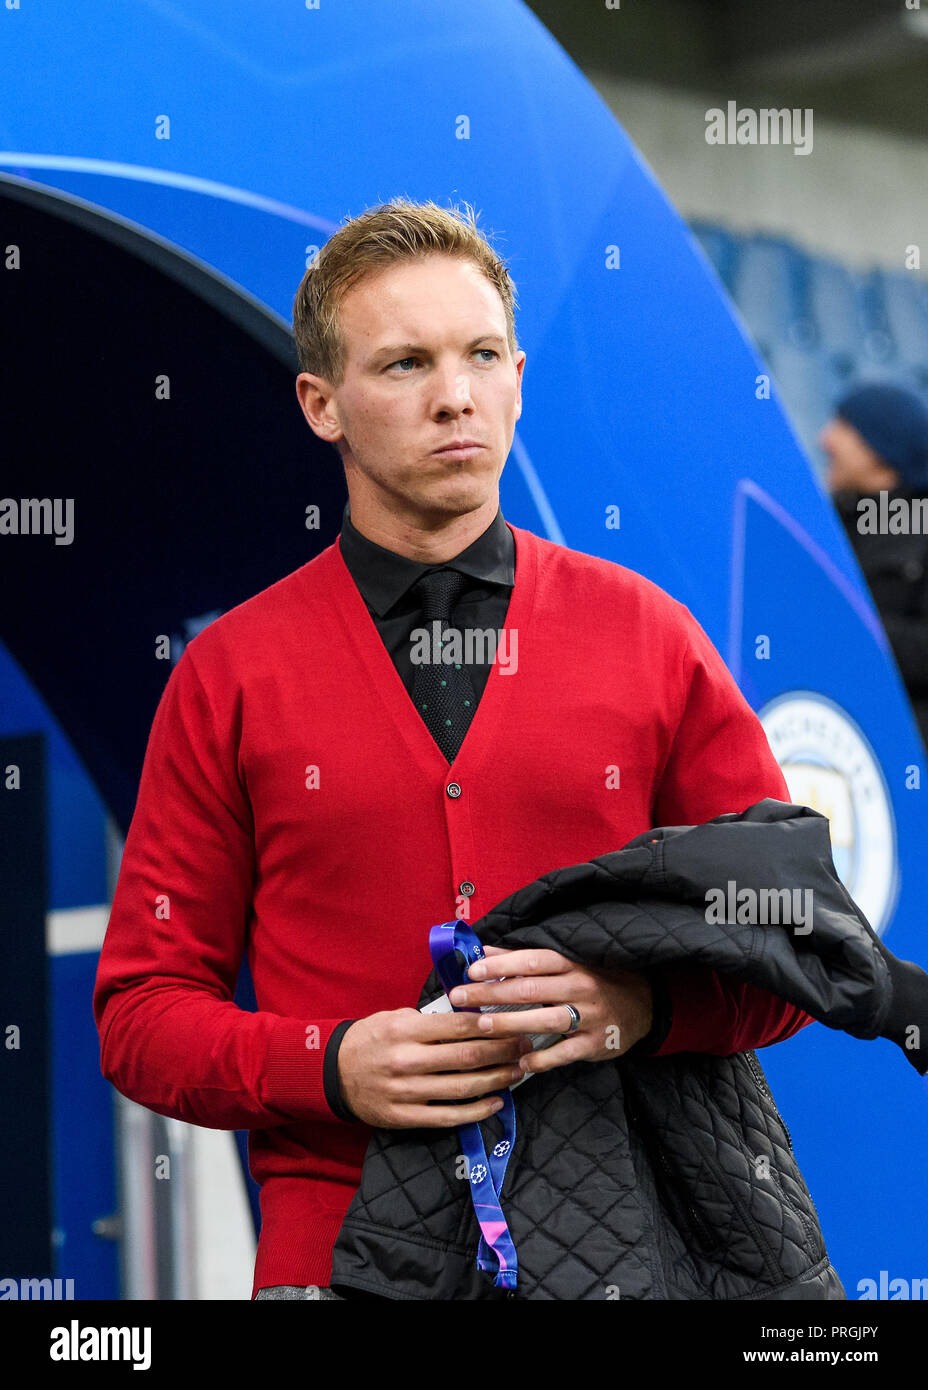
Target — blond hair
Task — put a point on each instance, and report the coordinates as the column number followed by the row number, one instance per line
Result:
column 400, row 230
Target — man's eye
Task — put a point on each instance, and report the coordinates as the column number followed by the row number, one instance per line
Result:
column 400, row 360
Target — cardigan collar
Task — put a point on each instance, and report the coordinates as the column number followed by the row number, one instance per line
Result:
column 346, row 606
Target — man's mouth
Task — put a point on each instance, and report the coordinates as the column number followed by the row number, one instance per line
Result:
column 462, row 449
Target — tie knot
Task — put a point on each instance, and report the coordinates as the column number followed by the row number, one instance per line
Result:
column 439, row 591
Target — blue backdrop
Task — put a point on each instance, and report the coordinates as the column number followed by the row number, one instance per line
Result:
column 235, row 138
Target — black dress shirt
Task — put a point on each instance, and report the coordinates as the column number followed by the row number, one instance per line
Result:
column 384, row 580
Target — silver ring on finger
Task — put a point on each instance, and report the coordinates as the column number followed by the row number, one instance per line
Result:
column 574, row 1017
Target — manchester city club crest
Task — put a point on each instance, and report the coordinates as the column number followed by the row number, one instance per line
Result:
column 830, row 766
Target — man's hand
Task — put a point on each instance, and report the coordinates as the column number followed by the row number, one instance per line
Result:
column 615, row 1006
column 393, row 1067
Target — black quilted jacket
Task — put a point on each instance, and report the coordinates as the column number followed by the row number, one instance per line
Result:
column 654, row 1177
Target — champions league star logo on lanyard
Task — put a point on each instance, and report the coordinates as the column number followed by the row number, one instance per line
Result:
column 496, row 1253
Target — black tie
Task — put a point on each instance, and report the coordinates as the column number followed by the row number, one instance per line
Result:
column 443, row 694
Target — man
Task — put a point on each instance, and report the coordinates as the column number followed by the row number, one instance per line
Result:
column 316, row 794
column 877, row 443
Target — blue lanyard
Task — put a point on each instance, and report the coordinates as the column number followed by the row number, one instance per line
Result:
column 496, row 1252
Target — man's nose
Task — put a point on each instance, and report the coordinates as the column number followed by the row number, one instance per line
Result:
column 452, row 390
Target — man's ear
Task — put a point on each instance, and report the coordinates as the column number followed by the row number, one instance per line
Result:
column 317, row 403
column 520, row 365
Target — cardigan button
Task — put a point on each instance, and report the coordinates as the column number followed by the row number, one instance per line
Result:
column 453, row 789
column 467, row 888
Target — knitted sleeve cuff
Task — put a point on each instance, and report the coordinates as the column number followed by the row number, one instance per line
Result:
column 295, row 1081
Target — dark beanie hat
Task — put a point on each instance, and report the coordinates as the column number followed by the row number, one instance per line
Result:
column 894, row 422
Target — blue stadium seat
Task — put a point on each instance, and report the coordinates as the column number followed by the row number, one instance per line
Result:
column 767, row 287
column 879, row 346
column 905, row 310
column 836, row 304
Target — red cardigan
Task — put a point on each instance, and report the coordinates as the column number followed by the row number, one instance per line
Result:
column 294, row 807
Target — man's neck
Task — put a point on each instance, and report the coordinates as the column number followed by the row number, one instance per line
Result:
column 412, row 536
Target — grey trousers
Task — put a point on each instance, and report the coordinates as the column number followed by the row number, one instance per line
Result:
column 314, row 1291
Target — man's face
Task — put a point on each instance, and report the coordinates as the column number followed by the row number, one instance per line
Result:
column 427, row 363
column 852, row 464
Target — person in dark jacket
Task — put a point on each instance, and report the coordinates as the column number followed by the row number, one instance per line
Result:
column 877, row 448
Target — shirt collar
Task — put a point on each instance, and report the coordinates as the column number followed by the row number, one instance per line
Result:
column 383, row 576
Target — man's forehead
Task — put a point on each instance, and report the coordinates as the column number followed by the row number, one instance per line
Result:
column 408, row 290
column 405, row 311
